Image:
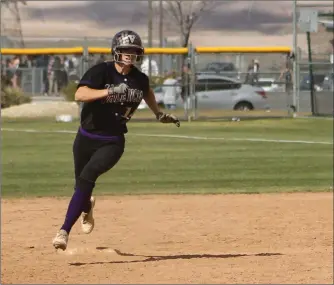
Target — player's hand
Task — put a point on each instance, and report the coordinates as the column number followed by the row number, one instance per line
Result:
column 119, row 89
column 168, row 118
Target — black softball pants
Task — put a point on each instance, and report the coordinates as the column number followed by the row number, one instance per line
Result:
column 95, row 155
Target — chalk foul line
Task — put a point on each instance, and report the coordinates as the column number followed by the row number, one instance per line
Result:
column 176, row 136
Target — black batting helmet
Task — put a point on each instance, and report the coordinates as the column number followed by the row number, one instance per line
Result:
column 127, row 39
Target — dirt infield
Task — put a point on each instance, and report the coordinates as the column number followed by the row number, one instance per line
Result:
column 275, row 238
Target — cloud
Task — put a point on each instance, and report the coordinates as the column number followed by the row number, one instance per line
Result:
column 233, row 16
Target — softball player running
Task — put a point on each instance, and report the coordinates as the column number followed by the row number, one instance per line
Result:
column 110, row 92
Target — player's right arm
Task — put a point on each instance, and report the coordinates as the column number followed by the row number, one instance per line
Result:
column 86, row 94
column 92, row 85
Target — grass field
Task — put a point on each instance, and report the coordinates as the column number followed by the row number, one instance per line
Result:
column 279, row 238
column 40, row 163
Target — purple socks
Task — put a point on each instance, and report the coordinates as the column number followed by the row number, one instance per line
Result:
column 79, row 203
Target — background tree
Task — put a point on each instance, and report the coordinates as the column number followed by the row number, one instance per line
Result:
column 11, row 20
column 184, row 15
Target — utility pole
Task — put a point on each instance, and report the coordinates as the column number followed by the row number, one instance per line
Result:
column 161, row 35
column 150, row 30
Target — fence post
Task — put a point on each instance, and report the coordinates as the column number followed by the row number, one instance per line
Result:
column 33, row 81
column 85, row 67
column 295, row 62
column 189, row 83
column 310, row 66
column 297, row 79
column 41, row 80
column 192, row 86
column 85, row 57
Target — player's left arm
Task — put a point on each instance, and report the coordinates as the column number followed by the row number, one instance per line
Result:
column 153, row 105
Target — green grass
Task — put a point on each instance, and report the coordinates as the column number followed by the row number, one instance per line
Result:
column 40, row 164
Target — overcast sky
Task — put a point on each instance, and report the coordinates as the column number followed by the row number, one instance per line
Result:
column 237, row 15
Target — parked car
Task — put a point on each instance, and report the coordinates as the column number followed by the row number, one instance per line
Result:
column 221, row 92
column 318, row 81
column 270, row 85
column 328, row 83
column 227, row 69
column 159, row 97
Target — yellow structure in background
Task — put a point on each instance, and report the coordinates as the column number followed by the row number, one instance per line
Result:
column 100, row 50
column 176, row 50
column 39, row 51
column 243, row 49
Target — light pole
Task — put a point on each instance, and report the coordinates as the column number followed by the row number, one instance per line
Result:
column 150, row 30
column 295, row 51
column 161, row 35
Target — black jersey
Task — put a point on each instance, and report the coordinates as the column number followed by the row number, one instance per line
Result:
column 108, row 116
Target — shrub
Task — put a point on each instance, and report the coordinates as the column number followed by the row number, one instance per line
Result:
column 69, row 90
column 156, row 80
column 13, row 96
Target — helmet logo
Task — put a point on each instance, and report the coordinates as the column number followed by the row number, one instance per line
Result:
column 128, row 39
column 132, row 38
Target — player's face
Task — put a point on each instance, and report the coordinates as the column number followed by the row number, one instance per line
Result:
column 128, row 56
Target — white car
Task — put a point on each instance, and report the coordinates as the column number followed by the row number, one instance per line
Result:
column 221, row 92
column 159, row 97
column 269, row 85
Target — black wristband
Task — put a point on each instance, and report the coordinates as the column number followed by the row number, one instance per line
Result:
column 158, row 115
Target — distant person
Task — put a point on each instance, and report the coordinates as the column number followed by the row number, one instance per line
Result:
column 12, row 71
column 42, row 63
column 154, row 67
column 57, row 68
column 171, row 91
column 286, row 76
column 185, row 79
column 253, row 70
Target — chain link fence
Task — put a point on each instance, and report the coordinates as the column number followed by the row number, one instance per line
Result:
column 315, row 61
column 206, row 85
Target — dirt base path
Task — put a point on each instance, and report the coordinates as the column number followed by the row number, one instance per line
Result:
column 278, row 238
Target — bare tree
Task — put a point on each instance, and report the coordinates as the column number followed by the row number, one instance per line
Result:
column 11, row 10
column 185, row 14
column 9, row 1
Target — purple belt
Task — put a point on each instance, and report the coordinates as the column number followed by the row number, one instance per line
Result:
column 100, row 137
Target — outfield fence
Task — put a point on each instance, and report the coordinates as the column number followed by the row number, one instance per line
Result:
column 214, row 99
